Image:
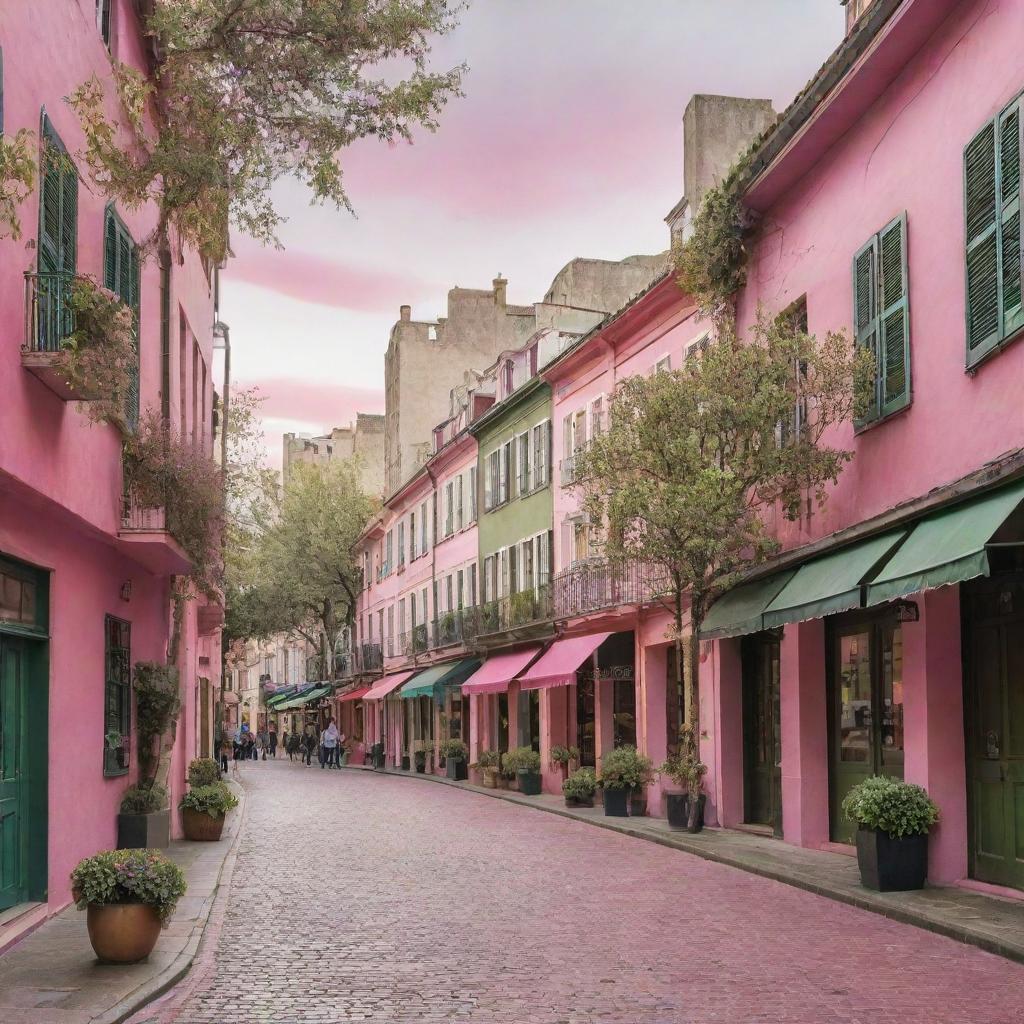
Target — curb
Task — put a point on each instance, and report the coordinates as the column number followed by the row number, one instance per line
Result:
column 179, row 967
column 876, row 904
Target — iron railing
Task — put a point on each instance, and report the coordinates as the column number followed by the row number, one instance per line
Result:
column 138, row 517
column 515, row 611
column 414, row 641
column 597, row 584
column 364, row 658
column 49, row 318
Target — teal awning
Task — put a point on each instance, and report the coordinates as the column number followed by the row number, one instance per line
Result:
column 946, row 547
column 831, row 583
column 422, row 684
column 458, row 672
column 741, row 610
column 304, row 698
column 277, row 699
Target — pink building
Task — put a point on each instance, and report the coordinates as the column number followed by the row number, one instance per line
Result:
column 84, row 581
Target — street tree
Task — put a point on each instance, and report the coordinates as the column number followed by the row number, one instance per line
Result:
column 693, row 460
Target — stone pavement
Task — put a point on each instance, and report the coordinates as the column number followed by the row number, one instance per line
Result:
column 362, row 897
column 52, row 976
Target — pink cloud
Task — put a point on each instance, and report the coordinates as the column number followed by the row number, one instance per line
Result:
column 320, row 405
column 310, row 277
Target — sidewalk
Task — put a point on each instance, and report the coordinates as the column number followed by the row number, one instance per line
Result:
column 53, row 977
column 989, row 922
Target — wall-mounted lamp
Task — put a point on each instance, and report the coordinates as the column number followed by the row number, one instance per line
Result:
column 907, row 611
column 126, row 590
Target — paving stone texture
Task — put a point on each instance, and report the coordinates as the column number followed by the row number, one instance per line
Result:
column 365, row 897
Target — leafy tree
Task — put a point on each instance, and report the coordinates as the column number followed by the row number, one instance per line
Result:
column 244, row 92
column 694, row 459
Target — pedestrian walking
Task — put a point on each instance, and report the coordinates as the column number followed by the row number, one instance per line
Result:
column 330, row 740
column 309, row 744
column 273, row 742
column 226, row 747
column 284, row 740
column 262, row 742
column 293, row 746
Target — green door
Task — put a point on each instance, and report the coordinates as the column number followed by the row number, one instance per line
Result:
column 13, row 773
column 762, row 741
column 995, row 666
column 866, row 708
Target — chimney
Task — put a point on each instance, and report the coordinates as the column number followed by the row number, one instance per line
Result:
column 500, row 290
column 405, row 312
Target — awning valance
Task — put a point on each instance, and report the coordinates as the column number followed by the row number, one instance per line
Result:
column 498, row 671
column 946, row 547
column 355, row 694
column 387, row 685
column 831, row 583
column 741, row 610
column 558, row 664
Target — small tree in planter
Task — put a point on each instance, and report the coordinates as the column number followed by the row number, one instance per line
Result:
column 203, row 810
column 129, row 895
column 688, row 773
column 623, row 771
column 523, row 764
column 565, row 758
column 579, row 788
column 143, row 822
column 455, row 753
column 157, row 706
column 487, row 766
column 507, row 770
column 203, row 771
column 893, row 819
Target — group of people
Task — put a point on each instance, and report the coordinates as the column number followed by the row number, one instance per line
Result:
column 245, row 745
column 329, row 745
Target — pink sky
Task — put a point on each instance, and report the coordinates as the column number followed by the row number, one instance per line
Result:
column 567, row 143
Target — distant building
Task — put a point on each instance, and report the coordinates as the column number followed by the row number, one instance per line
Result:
column 363, row 440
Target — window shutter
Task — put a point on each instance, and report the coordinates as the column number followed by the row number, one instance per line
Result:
column 1009, row 219
column 68, row 215
column 865, row 312
column 110, row 252
column 894, row 321
column 982, row 244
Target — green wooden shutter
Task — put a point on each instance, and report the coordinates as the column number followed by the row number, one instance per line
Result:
column 121, row 276
column 110, row 251
column 132, row 299
column 894, row 318
column 865, row 309
column 49, row 201
column 1009, row 220
column 982, row 244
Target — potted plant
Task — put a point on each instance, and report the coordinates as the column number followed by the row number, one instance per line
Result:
column 579, row 788
column 523, row 764
column 144, row 821
column 455, row 753
column 564, row 758
column 487, row 766
column 128, row 896
column 623, row 770
column 687, row 773
column 203, row 810
column 405, row 762
column 421, row 762
column 893, row 819
column 203, row 771
column 506, row 771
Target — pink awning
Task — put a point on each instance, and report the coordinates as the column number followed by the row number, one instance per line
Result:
column 354, row 694
column 557, row 665
column 494, row 675
column 386, row 685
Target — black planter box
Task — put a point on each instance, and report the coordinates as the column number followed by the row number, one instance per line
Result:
column 616, row 803
column 529, row 782
column 573, row 802
column 377, row 756
column 405, row 763
column 421, row 764
column 890, row 864
column 144, row 831
column 678, row 809
column 457, row 770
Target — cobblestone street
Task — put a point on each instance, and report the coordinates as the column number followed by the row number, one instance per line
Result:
column 359, row 897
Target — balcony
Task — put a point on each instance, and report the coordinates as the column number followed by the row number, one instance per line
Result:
column 519, row 611
column 597, row 585
column 365, row 658
column 149, row 542
column 210, row 615
column 414, row 641
column 372, row 657
column 49, row 319
column 455, row 627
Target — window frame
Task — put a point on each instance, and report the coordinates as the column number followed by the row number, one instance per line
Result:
column 122, row 691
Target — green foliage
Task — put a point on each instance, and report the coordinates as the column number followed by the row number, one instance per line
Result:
column 625, row 768
column 563, row 755
column 898, row 808
column 454, row 750
column 203, row 771
column 215, row 800
column 487, row 759
column 129, row 876
column 143, row 799
column 163, row 469
column 685, row 771
column 245, row 93
column 17, row 179
column 113, row 739
column 520, row 758
column 157, row 703
column 581, row 785
column 99, row 357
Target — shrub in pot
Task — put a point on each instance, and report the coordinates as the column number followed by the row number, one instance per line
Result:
column 523, row 764
column 488, row 768
column 128, row 896
column 203, row 771
column 144, row 820
column 421, row 761
column 565, row 758
column 579, row 788
column 506, row 770
column 687, row 773
column 893, row 819
column 455, row 754
column 623, row 771
column 203, row 810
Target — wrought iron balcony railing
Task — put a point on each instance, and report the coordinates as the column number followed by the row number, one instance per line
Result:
column 49, row 318
column 598, row 584
column 524, row 608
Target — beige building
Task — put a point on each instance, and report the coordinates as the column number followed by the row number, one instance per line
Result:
column 362, row 440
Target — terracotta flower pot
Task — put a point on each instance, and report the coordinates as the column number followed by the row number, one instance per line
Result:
column 124, row 933
column 201, row 827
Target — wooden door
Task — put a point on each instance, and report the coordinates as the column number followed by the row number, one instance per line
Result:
column 995, row 685
column 13, row 770
column 762, row 747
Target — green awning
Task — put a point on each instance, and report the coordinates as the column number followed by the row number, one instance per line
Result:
column 947, row 547
column 458, row 672
column 278, row 699
column 422, row 684
column 304, row 698
column 740, row 611
column 831, row 583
